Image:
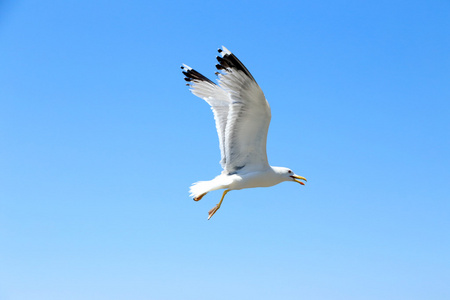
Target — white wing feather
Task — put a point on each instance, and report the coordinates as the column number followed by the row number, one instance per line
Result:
column 241, row 111
column 247, row 123
column 217, row 98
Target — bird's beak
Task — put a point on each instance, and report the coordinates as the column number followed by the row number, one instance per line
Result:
column 295, row 177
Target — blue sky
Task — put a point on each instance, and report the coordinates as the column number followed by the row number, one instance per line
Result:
column 100, row 141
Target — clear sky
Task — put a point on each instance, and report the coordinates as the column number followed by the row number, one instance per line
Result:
column 100, row 140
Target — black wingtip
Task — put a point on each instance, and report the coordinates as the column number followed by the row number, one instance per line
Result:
column 229, row 62
column 194, row 76
column 220, row 67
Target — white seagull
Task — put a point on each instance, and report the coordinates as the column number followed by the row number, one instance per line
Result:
column 242, row 116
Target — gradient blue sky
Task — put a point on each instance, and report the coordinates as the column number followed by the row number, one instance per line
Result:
column 100, row 141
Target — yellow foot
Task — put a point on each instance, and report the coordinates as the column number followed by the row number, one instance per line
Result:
column 213, row 211
column 216, row 208
column 198, row 198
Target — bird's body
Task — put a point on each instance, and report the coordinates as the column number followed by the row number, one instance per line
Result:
column 238, row 181
column 242, row 116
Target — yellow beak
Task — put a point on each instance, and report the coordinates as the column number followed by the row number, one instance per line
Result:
column 299, row 177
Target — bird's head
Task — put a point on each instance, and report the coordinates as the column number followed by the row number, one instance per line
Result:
column 287, row 174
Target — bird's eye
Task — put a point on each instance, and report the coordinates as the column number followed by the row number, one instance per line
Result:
column 290, row 172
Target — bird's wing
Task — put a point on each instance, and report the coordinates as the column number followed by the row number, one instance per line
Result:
column 248, row 116
column 216, row 97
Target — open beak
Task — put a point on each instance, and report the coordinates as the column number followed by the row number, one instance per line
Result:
column 295, row 177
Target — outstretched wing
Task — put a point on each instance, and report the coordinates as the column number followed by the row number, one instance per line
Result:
column 216, row 97
column 248, row 116
column 241, row 112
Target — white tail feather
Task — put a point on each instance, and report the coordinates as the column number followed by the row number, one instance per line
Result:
column 202, row 187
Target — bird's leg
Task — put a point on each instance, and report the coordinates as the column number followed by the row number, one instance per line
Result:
column 216, row 208
column 198, row 198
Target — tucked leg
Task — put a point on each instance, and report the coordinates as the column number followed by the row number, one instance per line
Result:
column 198, row 198
column 216, row 208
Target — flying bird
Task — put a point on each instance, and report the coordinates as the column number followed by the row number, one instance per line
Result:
column 242, row 116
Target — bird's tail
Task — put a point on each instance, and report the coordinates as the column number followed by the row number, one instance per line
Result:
column 200, row 188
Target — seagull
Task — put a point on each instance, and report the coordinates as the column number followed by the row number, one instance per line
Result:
column 242, row 116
